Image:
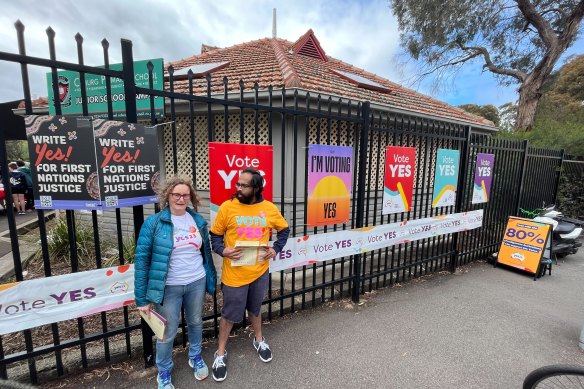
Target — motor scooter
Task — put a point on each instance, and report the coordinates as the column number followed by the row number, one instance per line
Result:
column 566, row 231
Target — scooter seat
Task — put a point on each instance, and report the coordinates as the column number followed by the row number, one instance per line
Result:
column 564, row 228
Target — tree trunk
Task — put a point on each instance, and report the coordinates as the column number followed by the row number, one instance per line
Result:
column 529, row 95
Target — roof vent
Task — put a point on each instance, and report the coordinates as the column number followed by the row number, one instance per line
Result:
column 309, row 46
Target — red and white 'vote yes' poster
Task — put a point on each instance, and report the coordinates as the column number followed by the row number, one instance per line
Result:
column 227, row 160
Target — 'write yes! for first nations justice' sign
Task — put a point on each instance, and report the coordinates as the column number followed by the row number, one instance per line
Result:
column 127, row 158
column 68, row 174
column 63, row 165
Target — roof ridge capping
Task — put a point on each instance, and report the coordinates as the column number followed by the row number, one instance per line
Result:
column 206, row 48
column 289, row 74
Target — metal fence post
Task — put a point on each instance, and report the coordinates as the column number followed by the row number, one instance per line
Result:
column 365, row 111
column 522, row 176
column 138, row 210
column 461, row 192
column 558, row 178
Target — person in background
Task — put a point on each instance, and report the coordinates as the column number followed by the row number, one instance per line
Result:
column 173, row 268
column 2, row 196
column 247, row 216
column 18, row 188
column 28, row 174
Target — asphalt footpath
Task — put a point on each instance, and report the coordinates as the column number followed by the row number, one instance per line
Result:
column 482, row 327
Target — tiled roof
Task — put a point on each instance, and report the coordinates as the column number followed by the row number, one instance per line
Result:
column 300, row 64
column 40, row 102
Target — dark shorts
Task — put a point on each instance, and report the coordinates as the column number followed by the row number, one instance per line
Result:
column 18, row 191
column 237, row 299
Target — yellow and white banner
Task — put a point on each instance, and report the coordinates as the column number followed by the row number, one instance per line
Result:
column 32, row 303
column 305, row 250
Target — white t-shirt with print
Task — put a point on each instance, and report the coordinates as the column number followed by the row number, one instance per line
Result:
column 186, row 260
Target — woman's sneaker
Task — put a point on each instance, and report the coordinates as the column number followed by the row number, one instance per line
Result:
column 163, row 379
column 220, row 367
column 263, row 349
column 200, row 369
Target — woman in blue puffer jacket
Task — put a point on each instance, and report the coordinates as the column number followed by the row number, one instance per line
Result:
column 174, row 268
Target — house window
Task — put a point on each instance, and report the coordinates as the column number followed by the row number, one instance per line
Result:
column 361, row 81
column 199, row 70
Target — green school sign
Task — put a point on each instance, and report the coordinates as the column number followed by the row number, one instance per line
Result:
column 70, row 92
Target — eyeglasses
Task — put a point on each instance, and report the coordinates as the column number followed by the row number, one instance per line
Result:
column 243, row 186
column 178, row 196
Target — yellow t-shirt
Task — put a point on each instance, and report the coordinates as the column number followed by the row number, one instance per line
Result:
column 253, row 222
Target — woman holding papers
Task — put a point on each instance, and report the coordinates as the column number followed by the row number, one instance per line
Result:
column 174, row 268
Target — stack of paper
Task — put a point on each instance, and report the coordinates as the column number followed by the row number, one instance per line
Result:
column 250, row 251
column 155, row 321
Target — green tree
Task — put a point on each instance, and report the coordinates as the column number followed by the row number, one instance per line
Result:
column 559, row 122
column 489, row 112
column 519, row 41
column 15, row 150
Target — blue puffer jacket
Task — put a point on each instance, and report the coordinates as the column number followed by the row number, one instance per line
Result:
column 153, row 251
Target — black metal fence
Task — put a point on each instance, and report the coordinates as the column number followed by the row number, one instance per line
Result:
column 289, row 120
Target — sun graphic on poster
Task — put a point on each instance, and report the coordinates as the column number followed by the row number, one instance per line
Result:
column 330, row 186
column 329, row 202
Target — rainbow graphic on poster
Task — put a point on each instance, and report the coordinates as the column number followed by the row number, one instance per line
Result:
column 400, row 167
column 483, row 178
column 445, row 178
column 330, row 181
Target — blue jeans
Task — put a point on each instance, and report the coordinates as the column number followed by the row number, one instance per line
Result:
column 192, row 297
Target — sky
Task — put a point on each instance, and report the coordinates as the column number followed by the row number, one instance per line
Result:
column 363, row 33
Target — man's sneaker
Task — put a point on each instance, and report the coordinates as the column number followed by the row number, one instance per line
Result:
column 163, row 379
column 263, row 349
column 220, row 367
column 200, row 369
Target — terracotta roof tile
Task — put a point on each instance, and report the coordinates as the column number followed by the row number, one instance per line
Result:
column 273, row 61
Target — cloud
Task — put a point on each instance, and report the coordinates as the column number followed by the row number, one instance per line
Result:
column 362, row 33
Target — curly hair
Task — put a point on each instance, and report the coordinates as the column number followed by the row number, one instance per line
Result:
column 170, row 183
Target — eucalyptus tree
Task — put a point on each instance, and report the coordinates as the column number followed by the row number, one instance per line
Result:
column 519, row 41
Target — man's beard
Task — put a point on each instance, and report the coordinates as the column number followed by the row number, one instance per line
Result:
column 245, row 199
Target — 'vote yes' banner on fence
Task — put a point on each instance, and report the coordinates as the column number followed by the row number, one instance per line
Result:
column 32, row 303
column 304, row 250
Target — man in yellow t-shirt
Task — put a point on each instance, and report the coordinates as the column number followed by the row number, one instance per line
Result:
column 246, row 217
